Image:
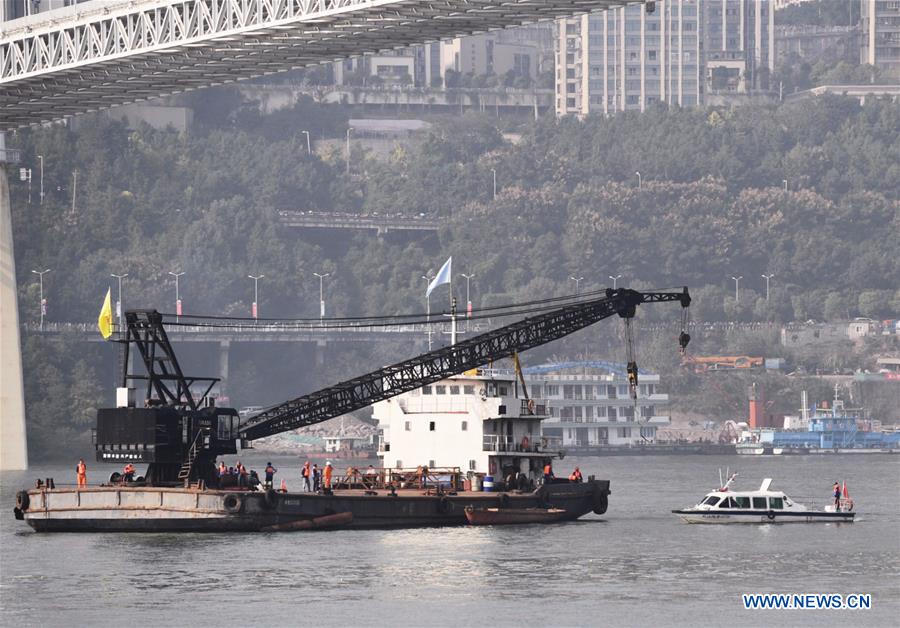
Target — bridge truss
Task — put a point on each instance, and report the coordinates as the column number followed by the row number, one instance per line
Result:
column 97, row 55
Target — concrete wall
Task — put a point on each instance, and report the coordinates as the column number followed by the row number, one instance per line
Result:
column 13, row 446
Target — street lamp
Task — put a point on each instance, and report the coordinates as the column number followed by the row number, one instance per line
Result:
column 254, row 311
column 494, row 175
column 177, row 297
column 40, row 274
column 308, row 145
column 119, row 300
column 577, row 281
column 41, row 158
column 737, row 281
column 468, row 301
column 74, row 189
column 615, row 279
column 427, row 279
column 321, row 296
column 784, row 183
column 640, row 181
column 767, row 278
column 349, row 129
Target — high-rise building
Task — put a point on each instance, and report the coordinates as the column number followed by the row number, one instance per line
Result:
column 880, row 21
column 626, row 58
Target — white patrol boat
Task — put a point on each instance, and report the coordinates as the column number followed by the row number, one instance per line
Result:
column 763, row 505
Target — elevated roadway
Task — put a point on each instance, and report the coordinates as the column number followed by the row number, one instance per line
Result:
column 100, row 54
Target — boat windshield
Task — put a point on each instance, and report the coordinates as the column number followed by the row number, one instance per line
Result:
column 712, row 500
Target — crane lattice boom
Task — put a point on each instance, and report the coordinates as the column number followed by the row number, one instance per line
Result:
column 433, row 366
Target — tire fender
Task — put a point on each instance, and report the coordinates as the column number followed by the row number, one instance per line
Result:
column 22, row 500
column 444, row 506
column 270, row 499
column 504, row 501
column 601, row 501
column 233, row 504
column 771, row 515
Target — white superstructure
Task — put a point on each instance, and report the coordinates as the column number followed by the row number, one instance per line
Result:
column 476, row 422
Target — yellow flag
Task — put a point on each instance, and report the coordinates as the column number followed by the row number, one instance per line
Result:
column 105, row 322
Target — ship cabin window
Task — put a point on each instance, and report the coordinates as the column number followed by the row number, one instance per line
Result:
column 759, row 503
column 741, row 502
column 776, row 503
column 440, row 390
column 426, row 390
column 726, row 503
column 504, row 390
column 712, row 500
column 491, row 390
column 471, row 465
column 431, row 426
column 468, row 390
column 408, row 426
column 454, row 390
column 465, row 426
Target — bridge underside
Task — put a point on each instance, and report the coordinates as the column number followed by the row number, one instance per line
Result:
column 95, row 58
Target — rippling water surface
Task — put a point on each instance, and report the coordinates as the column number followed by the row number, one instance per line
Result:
column 637, row 565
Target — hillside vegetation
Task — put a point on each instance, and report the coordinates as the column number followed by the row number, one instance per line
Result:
column 712, row 204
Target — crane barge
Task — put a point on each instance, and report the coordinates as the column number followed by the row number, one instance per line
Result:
column 180, row 436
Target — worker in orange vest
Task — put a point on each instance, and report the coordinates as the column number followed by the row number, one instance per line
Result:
column 81, row 472
column 548, row 472
column 576, row 475
column 128, row 473
column 329, row 470
column 306, row 473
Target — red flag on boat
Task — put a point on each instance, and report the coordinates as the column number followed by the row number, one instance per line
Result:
column 844, row 490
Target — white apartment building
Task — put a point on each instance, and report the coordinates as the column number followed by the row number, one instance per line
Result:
column 880, row 24
column 628, row 59
column 589, row 404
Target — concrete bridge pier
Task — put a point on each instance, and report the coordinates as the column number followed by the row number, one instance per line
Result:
column 320, row 352
column 224, row 348
column 13, row 443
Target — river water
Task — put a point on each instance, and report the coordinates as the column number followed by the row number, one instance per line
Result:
column 637, row 565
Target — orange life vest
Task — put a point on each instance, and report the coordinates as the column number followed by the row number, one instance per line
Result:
column 548, row 470
column 81, row 468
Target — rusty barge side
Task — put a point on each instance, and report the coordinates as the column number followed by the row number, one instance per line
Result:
column 157, row 509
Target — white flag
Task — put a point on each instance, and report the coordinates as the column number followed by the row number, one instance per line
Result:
column 442, row 277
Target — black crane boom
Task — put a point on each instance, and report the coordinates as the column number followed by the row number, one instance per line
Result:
column 433, row 366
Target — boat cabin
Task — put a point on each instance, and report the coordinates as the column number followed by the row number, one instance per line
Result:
column 475, row 421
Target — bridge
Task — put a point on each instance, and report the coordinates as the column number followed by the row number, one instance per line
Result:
column 335, row 220
column 97, row 55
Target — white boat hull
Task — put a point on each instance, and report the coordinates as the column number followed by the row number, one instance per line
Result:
column 720, row 517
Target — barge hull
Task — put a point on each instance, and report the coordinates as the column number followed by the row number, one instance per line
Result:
column 148, row 509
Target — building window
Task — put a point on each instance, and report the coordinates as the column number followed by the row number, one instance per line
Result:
column 471, row 465
column 399, row 464
column 408, row 426
column 552, row 390
column 431, row 426
column 465, row 426
column 624, row 432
